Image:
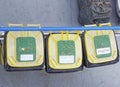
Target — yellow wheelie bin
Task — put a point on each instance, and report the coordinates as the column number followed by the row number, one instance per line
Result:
column 23, row 50
column 63, row 52
column 100, row 48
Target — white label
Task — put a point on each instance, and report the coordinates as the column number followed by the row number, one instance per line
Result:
column 101, row 51
column 26, row 57
column 66, row 59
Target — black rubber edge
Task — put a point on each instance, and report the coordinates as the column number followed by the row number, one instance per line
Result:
column 90, row 65
column 51, row 70
column 9, row 68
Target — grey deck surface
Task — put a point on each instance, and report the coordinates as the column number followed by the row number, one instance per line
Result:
column 53, row 13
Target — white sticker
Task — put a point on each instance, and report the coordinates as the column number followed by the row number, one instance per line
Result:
column 26, row 57
column 101, row 51
column 66, row 59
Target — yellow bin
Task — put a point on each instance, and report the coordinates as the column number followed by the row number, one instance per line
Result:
column 23, row 50
column 100, row 48
column 64, row 53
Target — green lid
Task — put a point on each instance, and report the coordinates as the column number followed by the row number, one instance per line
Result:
column 25, row 49
column 102, row 46
column 66, row 51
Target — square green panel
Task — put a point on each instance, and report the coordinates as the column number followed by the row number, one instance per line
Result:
column 102, row 46
column 66, row 51
column 25, row 49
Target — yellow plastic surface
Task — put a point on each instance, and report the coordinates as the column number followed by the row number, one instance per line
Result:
column 2, row 54
column 15, row 25
column 53, row 54
column 91, row 25
column 33, row 25
column 11, row 48
column 105, row 24
column 90, row 49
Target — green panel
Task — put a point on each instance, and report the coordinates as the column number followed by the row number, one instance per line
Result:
column 66, row 48
column 25, row 49
column 102, row 46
